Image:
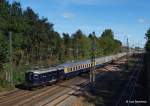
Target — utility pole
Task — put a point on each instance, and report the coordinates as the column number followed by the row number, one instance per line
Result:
column 76, row 50
column 127, row 53
column 92, row 69
column 10, row 50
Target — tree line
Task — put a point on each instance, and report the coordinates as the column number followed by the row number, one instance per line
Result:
column 36, row 43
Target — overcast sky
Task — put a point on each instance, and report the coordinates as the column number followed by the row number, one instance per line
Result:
column 125, row 17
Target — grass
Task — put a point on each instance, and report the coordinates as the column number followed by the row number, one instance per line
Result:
column 18, row 77
column 5, row 85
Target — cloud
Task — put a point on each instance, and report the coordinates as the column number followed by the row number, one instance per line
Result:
column 141, row 20
column 68, row 15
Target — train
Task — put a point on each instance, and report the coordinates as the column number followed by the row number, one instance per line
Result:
column 34, row 78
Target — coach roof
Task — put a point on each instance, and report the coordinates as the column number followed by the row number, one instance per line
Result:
column 41, row 71
column 72, row 64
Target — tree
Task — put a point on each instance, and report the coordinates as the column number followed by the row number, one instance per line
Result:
column 80, row 45
column 3, row 51
column 147, row 46
column 108, row 33
column 67, row 44
column 108, row 43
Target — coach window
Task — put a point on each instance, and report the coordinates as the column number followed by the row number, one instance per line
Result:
column 36, row 76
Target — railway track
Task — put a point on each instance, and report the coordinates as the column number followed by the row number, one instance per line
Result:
column 127, row 96
column 65, row 95
column 20, row 97
column 52, row 94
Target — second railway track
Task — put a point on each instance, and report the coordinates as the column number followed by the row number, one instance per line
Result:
column 127, row 95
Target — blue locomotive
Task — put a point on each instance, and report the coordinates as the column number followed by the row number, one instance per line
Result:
column 51, row 75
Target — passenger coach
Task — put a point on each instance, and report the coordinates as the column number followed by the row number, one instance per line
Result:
column 51, row 75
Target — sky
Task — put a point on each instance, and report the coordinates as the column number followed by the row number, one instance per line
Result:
column 127, row 18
